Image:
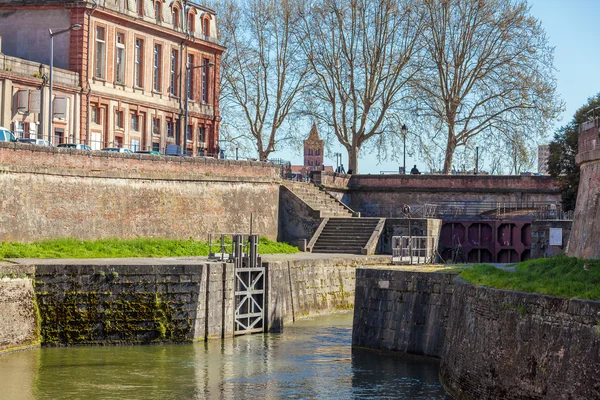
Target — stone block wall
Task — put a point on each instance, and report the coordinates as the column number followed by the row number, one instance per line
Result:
column 302, row 288
column 382, row 195
column 18, row 321
column 511, row 345
column 586, row 221
column 540, row 237
column 134, row 304
column 402, row 311
column 296, row 219
column 55, row 193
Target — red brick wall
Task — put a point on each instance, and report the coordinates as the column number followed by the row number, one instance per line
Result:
column 52, row 193
column 376, row 195
column 65, row 161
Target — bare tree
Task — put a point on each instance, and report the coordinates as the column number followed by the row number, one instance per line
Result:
column 488, row 68
column 261, row 72
column 360, row 53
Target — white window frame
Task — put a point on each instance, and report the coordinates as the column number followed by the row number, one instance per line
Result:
column 100, row 54
column 120, row 59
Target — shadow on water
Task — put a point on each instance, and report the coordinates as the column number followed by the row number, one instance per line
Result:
column 311, row 359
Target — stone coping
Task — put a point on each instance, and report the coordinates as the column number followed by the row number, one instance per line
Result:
column 337, row 258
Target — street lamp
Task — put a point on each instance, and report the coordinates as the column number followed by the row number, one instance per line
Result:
column 74, row 27
column 404, row 130
column 189, row 68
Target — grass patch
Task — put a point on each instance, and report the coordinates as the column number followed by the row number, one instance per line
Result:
column 557, row 276
column 117, row 248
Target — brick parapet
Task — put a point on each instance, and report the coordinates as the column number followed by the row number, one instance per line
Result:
column 16, row 157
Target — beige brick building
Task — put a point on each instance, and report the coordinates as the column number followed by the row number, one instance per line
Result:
column 131, row 57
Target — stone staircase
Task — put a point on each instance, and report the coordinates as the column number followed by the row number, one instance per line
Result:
column 347, row 235
column 319, row 200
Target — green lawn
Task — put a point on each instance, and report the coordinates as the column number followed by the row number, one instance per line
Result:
column 558, row 276
column 116, row 248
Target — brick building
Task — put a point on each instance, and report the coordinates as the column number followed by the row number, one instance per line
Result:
column 314, row 149
column 131, row 57
column 543, row 156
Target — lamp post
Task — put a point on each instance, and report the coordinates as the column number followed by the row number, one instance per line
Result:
column 404, row 132
column 338, row 161
column 188, row 69
column 74, row 27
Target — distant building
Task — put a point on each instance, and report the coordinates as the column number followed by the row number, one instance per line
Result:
column 314, row 149
column 543, row 156
column 124, row 79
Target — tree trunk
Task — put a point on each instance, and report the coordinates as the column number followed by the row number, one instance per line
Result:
column 353, row 160
column 449, row 153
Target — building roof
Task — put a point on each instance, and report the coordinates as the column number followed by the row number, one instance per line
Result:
column 313, row 136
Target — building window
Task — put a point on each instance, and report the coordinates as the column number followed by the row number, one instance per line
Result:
column 139, row 55
column 135, row 145
column 206, row 27
column 119, row 119
column 188, row 132
column 158, row 11
column 174, row 86
column 205, row 81
column 170, row 129
column 140, row 7
column 201, row 135
column 157, row 55
column 135, row 122
column 100, row 48
column 190, row 77
column 18, row 129
column 156, row 126
column 176, row 17
column 155, row 146
column 95, row 117
column 191, row 23
column 120, row 59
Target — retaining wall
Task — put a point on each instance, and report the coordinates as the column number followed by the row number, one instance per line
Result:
column 134, row 304
column 510, row 345
column 384, row 195
column 53, row 193
column 18, row 321
column 402, row 311
column 493, row 344
column 586, row 221
column 306, row 287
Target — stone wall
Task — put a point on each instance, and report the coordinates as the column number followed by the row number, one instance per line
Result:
column 381, row 195
column 134, row 304
column 18, row 321
column 402, row 311
column 586, row 221
column 511, row 345
column 297, row 220
column 54, row 193
column 540, row 237
column 306, row 287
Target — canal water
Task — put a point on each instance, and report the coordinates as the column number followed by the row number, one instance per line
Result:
column 311, row 359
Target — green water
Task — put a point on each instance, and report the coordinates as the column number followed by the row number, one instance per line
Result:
column 311, row 359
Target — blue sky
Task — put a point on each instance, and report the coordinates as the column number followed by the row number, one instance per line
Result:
column 573, row 28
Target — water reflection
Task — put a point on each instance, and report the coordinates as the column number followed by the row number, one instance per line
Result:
column 311, row 359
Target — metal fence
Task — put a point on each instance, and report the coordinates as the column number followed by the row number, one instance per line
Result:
column 458, row 209
column 414, row 249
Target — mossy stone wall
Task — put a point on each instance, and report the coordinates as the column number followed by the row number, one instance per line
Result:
column 132, row 304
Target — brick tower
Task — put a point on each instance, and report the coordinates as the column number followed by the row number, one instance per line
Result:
column 313, row 149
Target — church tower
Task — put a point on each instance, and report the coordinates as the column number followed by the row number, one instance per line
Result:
column 313, row 149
